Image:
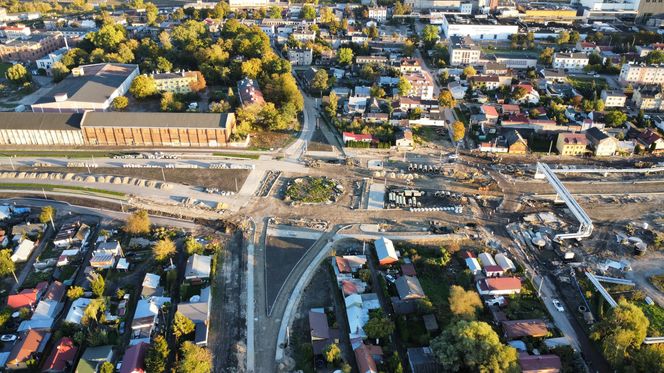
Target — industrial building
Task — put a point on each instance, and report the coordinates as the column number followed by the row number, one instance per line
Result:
column 40, row 129
column 157, row 129
column 477, row 28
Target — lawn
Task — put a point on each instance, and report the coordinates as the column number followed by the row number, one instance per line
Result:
column 3, row 68
column 585, row 85
column 52, row 187
column 236, row 155
column 655, row 315
column 311, row 190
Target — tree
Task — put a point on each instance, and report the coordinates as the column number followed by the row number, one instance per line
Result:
column 377, row 91
column 47, row 214
column 120, row 103
column 320, row 80
column 182, row 326
column 138, row 223
column 219, row 107
column 75, row 57
column 458, row 131
column 546, row 56
column 192, row 246
column 430, row 35
column 164, row 65
column 75, row 292
column 379, row 325
column 163, row 249
column 394, row 363
column 331, row 105
column 97, row 284
column 469, row 72
column 107, row 367
column 615, row 118
column 345, row 56
column 655, row 57
column 563, row 37
column 7, row 265
column 178, row 14
column 59, row 71
column 308, row 12
column 157, row 355
column 574, row 37
column 143, row 86
column 18, row 74
column 404, row 86
column 473, row 346
column 252, row 67
column 332, row 353
column 151, row 13
column 599, row 105
column 275, row 12
column 445, row 99
column 621, row 333
column 464, row 304
column 169, row 102
column 519, row 92
column 650, row 358
column 194, row 359
column 199, row 84
column 108, row 37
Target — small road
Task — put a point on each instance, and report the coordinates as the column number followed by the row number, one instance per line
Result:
column 643, row 269
column 28, row 267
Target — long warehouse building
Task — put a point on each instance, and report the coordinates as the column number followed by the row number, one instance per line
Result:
column 117, row 129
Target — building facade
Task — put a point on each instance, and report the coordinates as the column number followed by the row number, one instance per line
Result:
column 48, row 60
column 477, row 29
column 40, row 129
column 570, row 61
column 571, row 144
column 464, row 51
column 648, row 98
column 641, row 74
column 176, row 82
column 31, row 49
column 613, row 98
column 300, row 56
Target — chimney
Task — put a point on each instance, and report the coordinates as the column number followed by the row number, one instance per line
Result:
column 77, row 71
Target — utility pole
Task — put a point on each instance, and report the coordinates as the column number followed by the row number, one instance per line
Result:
column 12, row 163
column 44, row 192
column 236, row 185
column 163, row 176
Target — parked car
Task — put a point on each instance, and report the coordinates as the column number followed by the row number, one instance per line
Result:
column 558, row 305
column 8, row 337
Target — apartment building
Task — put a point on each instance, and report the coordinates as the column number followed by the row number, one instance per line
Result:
column 570, row 61
column 421, row 85
column 648, row 98
column 176, row 82
column 641, row 74
column 361, row 60
column 463, row 51
column 379, row 14
column 15, row 32
column 300, row 56
column 410, row 65
column 571, row 144
column 613, row 98
column 32, row 48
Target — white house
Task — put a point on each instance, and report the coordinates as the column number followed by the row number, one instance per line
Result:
column 570, row 61
column 48, row 60
column 198, row 267
column 22, row 251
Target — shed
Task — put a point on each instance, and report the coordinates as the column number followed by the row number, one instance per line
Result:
column 486, row 259
column 515, row 329
column 504, row 262
column 385, row 251
column 472, row 263
column 198, row 267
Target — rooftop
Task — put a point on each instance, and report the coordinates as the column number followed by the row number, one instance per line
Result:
column 156, row 120
column 40, row 121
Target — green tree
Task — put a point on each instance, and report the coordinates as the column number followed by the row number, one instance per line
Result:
column 379, row 325
column 331, row 105
column 473, row 346
column 546, row 56
column 75, row 57
column 320, row 80
column 615, row 118
column 469, row 72
column 219, row 107
column 332, row 353
column 650, row 358
column 445, row 99
column 157, row 355
column 163, row 249
column 178, row 14
column 120, row 103
column 107, row 367
column 345, row 56
column 143, row 86
column 59, row 71
column 519, row 92
column 377, row 91
column 308, row 12
column 182, row 326
column 5, row 315
column 404, row 86
column 394, row 363
column 47, row 214
column 18, row 74
column 655, row 57
column 7, row 265
column 75, row 292
column 108, row 37
column 621, row 333
column 430, row 35
column 275, row 12
column 151, row 13
column 138, row 223
column 252, row 67
column 458, row 131
column 164, row 65
column 464, row 304
column 192, row 246
column 563, row 37
column 194, row 359
column 599, row 105
column 97, row 284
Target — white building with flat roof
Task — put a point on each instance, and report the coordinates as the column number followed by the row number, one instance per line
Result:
column 477, row 28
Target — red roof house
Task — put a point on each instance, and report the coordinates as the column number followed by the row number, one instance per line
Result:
column 515, row 329
column 493, row 270
column 499, row 286
column 62, row 357
column 134, row 359
column 539, row 363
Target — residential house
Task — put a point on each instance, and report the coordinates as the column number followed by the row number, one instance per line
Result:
column 490, row 82
column 29, row 345
column 571, row 144
column 198, row 267
column 249, row 92
column 180, row 82
column 77, row 310
column 410, row 65
column 499, row 286
column 586, row 47
column 378, row 14
column 197, row 309
column 134, row 358
column 62, row 357
column 648, row 98
column 472, row 263
column 385, row 251
column 490, row 113
column 355, row 137
column 105, row 255
column 531, row 95
column 349, row 263
column 28, row 230
column 356, row 105
column 602, row 144
column 93, row 358
column 47, row 309
column 48, row 60
column 150, row 286
column 457, row 90
column 404, row 140
column 422, row 360
column 300, row 56
column 27, row 297
column 494, row 68
column 515, row 329
column 421, row 83
column 145, row 318
column 366, row 363
column 463, row 51
column 321, row 333
column 548, row 363
column 362, row 60
column 22, row 251
column 493, row 270
column 613, row 98
column 551, row 76
column 70, row 233
column 570, row 61
column 357, row 312
column 651, row 141
column 409, row 288
column 516, row 144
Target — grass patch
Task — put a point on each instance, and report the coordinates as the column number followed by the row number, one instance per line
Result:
column 655, row 315
column 51, row 187
column 585, row 85
column 658, row 282
column 236, row 155
column 4, row 66
column 311, row 190
column 526, row 305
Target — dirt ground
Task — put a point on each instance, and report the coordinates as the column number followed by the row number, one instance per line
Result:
column 221, row 179
column 319, row 143
column 281, row 255
column 270, row 140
